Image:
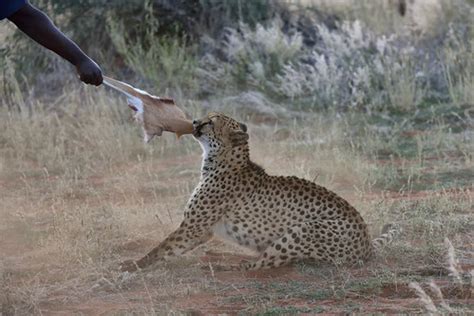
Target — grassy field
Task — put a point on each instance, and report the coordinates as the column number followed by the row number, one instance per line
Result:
column 379, row 112
column 81, row 193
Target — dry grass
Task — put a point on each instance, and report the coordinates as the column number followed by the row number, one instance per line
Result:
column 81, row 193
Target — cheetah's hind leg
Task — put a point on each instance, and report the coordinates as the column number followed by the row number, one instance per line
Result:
column 289, row 248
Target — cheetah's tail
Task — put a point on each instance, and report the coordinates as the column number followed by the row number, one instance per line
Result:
column 389, row 232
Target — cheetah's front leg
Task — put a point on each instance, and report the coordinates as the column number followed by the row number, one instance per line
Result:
column 184, row 239
column 200, row 215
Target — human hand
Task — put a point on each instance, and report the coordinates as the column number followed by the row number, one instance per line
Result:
column 89, row 72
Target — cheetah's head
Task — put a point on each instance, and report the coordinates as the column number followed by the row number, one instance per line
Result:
column 216, row 132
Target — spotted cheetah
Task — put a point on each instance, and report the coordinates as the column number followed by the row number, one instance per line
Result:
column 285, row 219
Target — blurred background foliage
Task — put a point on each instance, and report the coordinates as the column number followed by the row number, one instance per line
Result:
column 318, row 54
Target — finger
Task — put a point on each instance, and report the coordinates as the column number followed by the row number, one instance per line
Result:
column 89, row 79
column 92, row 78
column 95, row 78
column 98, row 79
column 85, row 78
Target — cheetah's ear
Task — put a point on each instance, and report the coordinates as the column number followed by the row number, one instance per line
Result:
column 238, row 138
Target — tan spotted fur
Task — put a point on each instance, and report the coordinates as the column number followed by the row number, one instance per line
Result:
column 285, row 219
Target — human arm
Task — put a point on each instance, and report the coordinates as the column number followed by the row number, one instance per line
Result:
column 41, row 29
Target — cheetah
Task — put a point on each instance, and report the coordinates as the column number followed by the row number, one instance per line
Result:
column 285, row 219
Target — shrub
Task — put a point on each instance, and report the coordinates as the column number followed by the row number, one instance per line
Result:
column 158, row 36
column 222, row 47
column 458, row 65
column 168, row 62
column 348, row 65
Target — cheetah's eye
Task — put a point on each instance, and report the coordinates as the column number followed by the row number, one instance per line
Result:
column 204, row 124
column 207, row 123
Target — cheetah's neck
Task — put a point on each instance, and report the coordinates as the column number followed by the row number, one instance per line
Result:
column 208, row 160
column 221, row 161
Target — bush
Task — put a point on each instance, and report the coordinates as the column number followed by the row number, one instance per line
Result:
column 222, row 47
column 348, row 65
column 145, row 37
column 168, row 62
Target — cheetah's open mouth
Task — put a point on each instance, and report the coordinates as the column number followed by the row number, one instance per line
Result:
column 197, row 130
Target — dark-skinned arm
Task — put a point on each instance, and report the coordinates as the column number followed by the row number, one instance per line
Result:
column 41, row 29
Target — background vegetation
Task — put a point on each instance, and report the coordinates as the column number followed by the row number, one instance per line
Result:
column 376, row 106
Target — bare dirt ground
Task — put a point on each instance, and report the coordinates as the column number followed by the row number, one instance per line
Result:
column 42, row 275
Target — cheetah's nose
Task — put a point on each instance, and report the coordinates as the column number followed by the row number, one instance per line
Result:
column 195, row 122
